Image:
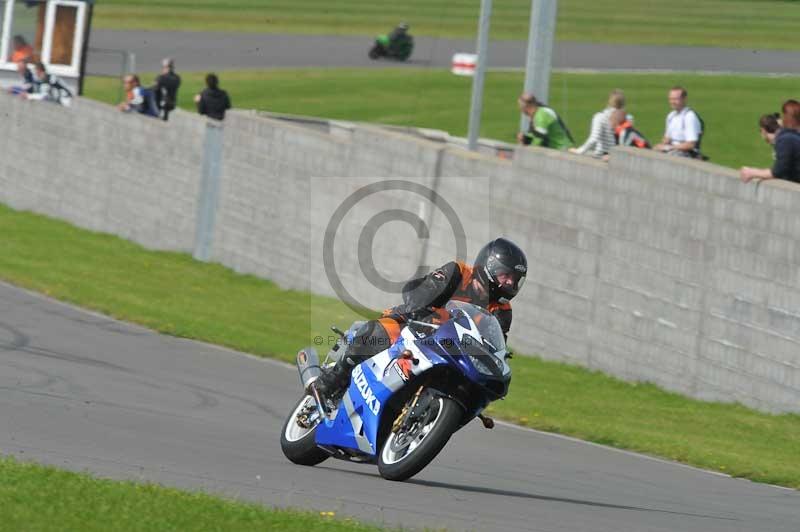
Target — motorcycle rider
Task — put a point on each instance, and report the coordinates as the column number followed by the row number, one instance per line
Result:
column 491, row 282
column 399, row 36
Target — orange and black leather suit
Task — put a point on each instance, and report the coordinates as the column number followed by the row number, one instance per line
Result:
column 424, row 299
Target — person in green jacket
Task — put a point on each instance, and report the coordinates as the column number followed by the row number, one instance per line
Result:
column 547, row 129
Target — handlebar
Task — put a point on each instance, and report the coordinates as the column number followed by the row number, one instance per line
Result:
column 423, row 324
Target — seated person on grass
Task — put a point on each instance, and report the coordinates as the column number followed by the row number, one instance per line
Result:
column 684, row 128
column 546, row 130
column 26, row 78
column 48, row 87
column 137, row 98
column 624, row 132
column 601, row 136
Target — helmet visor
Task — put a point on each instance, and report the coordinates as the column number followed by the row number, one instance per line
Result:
column 509, row 280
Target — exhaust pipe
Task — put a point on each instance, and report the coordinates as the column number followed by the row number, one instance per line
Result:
column 308, row 366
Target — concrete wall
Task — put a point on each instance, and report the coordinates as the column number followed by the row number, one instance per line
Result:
column 648, row 268
column 664, row 270
column 103, row 170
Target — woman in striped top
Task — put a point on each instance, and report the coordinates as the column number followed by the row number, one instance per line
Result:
column 601, row 138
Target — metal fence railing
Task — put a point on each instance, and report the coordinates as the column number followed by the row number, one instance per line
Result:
column 110, row 63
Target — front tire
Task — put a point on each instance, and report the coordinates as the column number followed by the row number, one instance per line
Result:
column 376, row 51
column 297, row 442
column 405, row 54
column 401, row 458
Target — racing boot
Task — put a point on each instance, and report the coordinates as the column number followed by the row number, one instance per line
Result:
column 333, row 381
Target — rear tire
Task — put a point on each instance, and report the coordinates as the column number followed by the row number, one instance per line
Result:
column 437, row 432
column 298, row 443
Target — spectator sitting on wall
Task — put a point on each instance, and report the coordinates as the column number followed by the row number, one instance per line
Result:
column 787, row 149
column 137, row 98
column 601, row 137
column 166, row 89
column 26, row 77
column 546, row 127
column 48, row 87
column 213, row 101
column 22, row 50
column 684, row 127
column 624, row 132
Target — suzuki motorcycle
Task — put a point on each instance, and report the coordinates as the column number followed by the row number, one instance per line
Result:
column 400, row 50
column 403, row 404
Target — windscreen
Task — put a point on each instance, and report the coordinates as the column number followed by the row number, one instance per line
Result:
column 487, row 324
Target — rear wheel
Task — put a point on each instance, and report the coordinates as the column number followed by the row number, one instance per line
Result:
column 413, row 445
column 297, row 437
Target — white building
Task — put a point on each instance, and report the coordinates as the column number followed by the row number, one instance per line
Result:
column 55, row 32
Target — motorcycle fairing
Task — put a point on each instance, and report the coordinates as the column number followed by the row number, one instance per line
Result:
column 373, row 382
column 358, row 417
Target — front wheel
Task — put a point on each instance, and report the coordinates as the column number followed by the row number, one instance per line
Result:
column 297, row 437
column 405, row 53
column 375, row 51
column 412, row 446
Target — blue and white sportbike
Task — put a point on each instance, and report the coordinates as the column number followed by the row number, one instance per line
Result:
column 404, row 403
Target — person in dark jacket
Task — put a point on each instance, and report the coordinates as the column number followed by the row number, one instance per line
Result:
column 399, row 37
column 26, row 76
column 138, row 99
column 166, row 89
column 48, row 87
column 213, row 101
column 491, row 282
column 624, row 132
column 787, row 149
column 769, row 126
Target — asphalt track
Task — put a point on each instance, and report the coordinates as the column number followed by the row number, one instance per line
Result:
column 85, row 392
column 205, row 51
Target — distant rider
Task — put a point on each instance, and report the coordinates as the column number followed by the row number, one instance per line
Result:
column 399, row 36
column 495, row 278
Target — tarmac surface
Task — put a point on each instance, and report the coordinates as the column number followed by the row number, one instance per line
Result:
column 207, row 51
column 84, row 392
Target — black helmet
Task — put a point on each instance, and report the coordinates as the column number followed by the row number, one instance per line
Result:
column 501, row 256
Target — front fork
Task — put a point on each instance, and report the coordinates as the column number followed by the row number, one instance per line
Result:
column 308, row 366
column 421, row 403
column 402, row 417
column 318, row 401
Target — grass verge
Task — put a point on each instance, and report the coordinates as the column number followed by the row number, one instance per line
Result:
column 727, row 23
column 38, row 498
column 730, row 105
column 174, row 294
column 168, row 292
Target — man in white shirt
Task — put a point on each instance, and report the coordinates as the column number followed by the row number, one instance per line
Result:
column 684, row 128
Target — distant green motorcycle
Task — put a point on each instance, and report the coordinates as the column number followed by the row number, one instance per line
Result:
column 399, row 48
